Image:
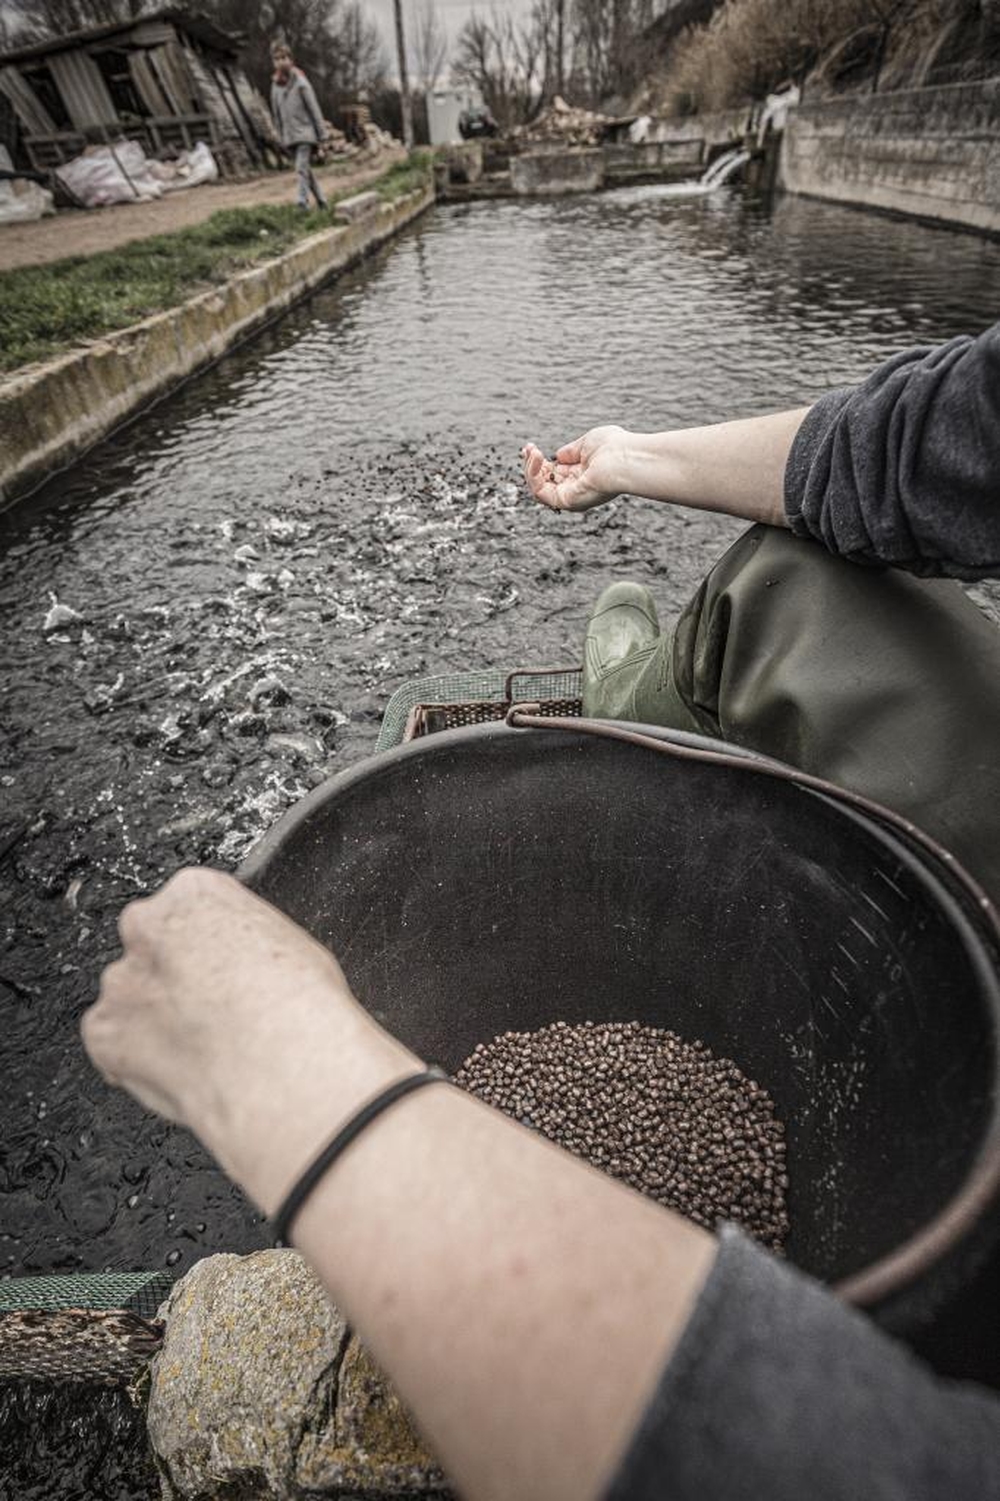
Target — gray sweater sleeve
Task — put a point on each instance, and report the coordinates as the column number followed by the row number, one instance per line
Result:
column 312, row 107
column 778, row 1390
column 905, row 468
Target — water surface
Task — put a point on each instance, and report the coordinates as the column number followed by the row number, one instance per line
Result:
column 365, row 451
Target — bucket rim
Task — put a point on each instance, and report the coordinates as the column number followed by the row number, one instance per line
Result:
column 892, row 1275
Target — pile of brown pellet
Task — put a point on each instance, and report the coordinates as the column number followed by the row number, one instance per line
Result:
column 665, row 1116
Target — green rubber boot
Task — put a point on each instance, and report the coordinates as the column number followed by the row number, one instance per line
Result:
column 622, row 634
column 884, row 683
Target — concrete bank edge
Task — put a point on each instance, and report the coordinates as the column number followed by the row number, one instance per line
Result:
column 52, row 413
column 900, row 204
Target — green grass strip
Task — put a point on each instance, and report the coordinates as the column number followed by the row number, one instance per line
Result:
column 45, row 310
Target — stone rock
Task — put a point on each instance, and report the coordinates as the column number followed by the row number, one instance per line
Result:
column 370, row 1443
column 260, row 1391
column 252, row 1349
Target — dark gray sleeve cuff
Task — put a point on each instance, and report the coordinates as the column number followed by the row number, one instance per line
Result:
column 799, row 477
column 778, row 1390
column 905, row 468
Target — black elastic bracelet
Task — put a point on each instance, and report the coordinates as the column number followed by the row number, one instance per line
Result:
column 303, row 1187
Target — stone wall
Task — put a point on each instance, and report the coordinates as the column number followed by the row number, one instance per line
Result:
column 930, row 152
column 52, row 413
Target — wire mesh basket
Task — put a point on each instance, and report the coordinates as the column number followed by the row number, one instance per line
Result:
column 455, row 700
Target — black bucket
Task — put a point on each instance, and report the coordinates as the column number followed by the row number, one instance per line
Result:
column 493, row 878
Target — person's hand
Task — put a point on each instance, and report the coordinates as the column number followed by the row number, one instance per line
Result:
column 225, row 1016
column 585, row 473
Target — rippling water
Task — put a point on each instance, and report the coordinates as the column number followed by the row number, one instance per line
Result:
column 365, row 450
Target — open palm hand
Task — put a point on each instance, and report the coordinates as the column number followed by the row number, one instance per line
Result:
column 584, row 473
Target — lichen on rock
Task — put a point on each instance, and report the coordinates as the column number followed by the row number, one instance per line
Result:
column 260, row 1391
column 370, row 1444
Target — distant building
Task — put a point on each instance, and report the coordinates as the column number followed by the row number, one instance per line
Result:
column 443, row 109
column 166, row 79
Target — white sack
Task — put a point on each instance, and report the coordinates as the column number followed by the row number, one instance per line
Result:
column 189, row 170
column 21, row 200
column 105, row 175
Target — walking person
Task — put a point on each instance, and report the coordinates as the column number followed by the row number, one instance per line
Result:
column 298, row 121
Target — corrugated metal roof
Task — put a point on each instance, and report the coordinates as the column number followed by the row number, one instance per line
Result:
column 195, row 26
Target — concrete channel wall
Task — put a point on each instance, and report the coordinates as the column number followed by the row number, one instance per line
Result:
column 554, row 170
column 933, row 152
column 53, row 412
column 557, row 172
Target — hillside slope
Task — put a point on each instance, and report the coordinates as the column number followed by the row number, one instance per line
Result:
column 743, row 50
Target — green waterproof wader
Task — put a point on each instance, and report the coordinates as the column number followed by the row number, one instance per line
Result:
column 879, row 681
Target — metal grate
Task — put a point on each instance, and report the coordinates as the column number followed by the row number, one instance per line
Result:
column 427, row 719
column 464, row 698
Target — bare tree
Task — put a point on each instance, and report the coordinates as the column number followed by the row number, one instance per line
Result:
column 886, row 14
column 610, row 47
column 544, row 36
column 430, row 45
column 505, row 62
column 333, row 40
column 362, row 55
column 38, row 19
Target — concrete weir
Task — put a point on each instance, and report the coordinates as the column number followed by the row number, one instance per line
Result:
column 52, row 413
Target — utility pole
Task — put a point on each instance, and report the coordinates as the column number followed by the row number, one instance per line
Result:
column 560, row 47
column 404, row 82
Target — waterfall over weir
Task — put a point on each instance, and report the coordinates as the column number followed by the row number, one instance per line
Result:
column 721, row 169
column 715, row 176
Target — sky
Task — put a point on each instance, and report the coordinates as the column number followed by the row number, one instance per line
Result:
column 453, row 13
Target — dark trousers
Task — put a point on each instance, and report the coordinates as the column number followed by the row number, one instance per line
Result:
column 881, row 682
column 307, row 181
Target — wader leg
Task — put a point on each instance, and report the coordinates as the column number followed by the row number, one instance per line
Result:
column 879, row 681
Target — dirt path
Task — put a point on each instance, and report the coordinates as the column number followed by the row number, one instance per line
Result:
column 76, row 232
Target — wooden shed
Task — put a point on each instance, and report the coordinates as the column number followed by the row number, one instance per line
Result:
column 166, row 79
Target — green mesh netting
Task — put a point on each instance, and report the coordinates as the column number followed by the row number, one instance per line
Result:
column 138, row 1292
column 472, row 687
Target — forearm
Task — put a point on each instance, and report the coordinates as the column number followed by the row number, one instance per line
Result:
column 734, row 467
column 523, row 1303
